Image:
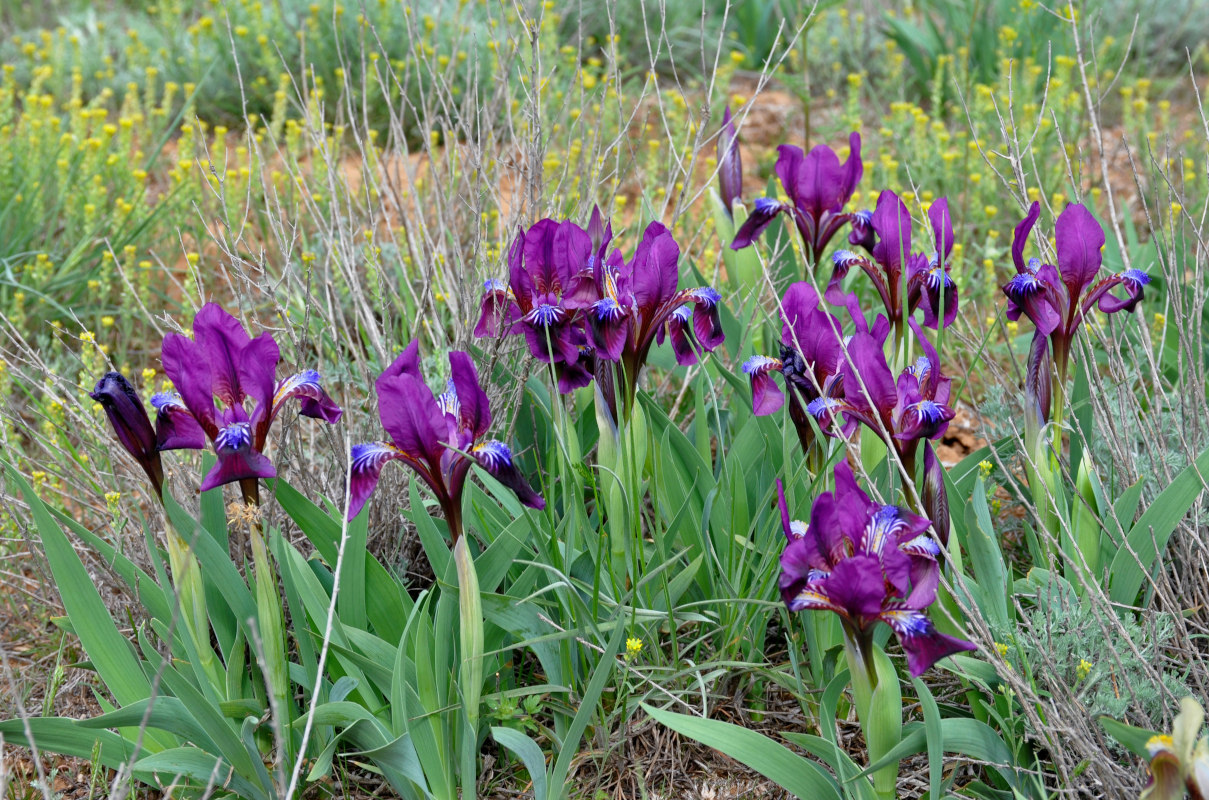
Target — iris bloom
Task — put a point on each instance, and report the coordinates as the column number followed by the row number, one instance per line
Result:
column 1057, row 298
column 131, row 424
column 730, row 167
column 1179, row 762
column 639, row 305
column 886, row 233
column 223, row 361
column 437, row 436
column 812, row 342
column 550, row 270
column 818, row 187
column 912, row 409
column 869, row 563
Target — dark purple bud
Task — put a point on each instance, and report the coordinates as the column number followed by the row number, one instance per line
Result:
column 730, row 166
column 1038, row 380
column 131, row 424
column 935, row 496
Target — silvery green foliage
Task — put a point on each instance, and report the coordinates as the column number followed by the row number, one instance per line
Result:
column 1109, row 666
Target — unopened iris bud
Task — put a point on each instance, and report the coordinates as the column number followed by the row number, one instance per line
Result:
column 129, row 419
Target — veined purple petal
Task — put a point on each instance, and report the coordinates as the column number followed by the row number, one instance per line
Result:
column 474, row 411
column 853, row 169
column 499, row 310
column 315, row 402
column 609, row 322
column 925, row 419
column 574, row 376
column 862, row 235
column 496, row 458
column 188, row 367
column 766, row 397
column 237, row 459
column 176, row 428
column 707, row 324
column 1134, row 281
column 221, row 339
column 679, row 329
column 1079, row 239
column 367, row 462
column 923, row 644
column 730, row 166
column 130, row 424
column 763, row 213
column 1028, row 293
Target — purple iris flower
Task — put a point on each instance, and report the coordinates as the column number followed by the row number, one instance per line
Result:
column 818, row 187
column 730, row 166
column 550, row 269
column 869, row 563
column 131, row 424
column 812, row 351
column 912, row 409
column 223, row 361
column 640, row 305
column 437, row 436
column 886, row 234
column 1057, row 298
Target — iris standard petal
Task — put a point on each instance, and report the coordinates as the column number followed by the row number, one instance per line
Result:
column 474, row 410
column 892, row 222
column 1078, row 237
column 188, row 367
column 221, row 339
column 406, row 363
column 654, row 269
column 868, row 382
column 412, row 417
